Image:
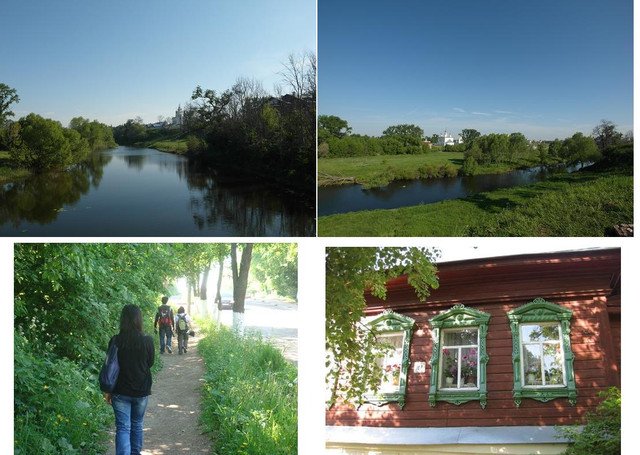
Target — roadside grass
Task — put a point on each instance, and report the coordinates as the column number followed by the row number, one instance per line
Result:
column 371, row 171
column 8, row 172
column 578, row 204
column 250, row 394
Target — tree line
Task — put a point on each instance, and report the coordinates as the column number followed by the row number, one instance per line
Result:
column 246, row 130
column 335, row 139
column 68, row 299
column 41, row 144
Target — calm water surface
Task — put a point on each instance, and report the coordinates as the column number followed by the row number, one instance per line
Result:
column 405, row 193
column 143, row 192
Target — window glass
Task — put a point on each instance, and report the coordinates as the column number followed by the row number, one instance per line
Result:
column 460, row 337
column 459, row 367
column 391, row 362
column 542, row 360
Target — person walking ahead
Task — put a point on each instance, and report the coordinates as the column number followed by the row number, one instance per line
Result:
column 164, row 320
column 133, row 387
column 183, row 326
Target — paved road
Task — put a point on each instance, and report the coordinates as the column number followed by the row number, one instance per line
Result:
column 276, row 320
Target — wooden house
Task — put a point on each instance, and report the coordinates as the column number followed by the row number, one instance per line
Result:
column 507, row 350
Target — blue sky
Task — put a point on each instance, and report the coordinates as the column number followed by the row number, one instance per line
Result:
column 114, row 60
column 546, row 68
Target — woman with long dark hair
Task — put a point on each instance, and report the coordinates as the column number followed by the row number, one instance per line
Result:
column 129, row 398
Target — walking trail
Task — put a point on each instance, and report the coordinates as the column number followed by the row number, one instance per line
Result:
column 173, row 412
column 171, row 420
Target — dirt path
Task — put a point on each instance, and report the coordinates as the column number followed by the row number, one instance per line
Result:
column 171, row 420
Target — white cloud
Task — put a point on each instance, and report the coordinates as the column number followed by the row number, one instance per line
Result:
column 481, row 113
column 457, row 109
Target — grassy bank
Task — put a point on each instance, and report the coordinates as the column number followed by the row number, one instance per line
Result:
column 8, row 172
column 177, row 146
column 579, row 204
column 250, row 395
column 380, row 170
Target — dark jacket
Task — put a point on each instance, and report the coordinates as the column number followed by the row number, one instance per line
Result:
column 135, row 358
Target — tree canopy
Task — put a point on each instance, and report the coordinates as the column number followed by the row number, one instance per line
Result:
column 351, row 347
column 407, row 134
column 8, row 96
column 605, row 135
column 468, row 135
column 332, row 126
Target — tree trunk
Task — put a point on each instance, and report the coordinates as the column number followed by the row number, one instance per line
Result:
column 188, row 296
column 203, row 285
column 218, row 299
column 240, row 277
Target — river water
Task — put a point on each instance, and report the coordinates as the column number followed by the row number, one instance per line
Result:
column 405, row 193
column 143, row 192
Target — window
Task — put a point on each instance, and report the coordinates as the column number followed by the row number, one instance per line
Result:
column 459, row 367
column 394, row 332
column 391, row 363
column 459, row 359
column 542, row 356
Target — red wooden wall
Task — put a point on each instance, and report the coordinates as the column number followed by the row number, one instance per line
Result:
column 585, row 282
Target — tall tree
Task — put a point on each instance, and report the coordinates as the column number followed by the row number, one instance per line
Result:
column 408, row 134
column 351, row 347
column 332, row 126
column 605, row 135
column 240, row 276
column 8, row 96
column 469, row 134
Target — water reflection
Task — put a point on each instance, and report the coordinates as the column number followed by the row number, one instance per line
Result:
column 139, row 192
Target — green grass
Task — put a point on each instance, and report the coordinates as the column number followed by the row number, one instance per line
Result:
column 579, row 204
column 8, row 173
column 250, row 395
column 177, row 146
column 380, row 170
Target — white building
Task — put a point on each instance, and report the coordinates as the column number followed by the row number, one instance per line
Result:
column 447, row 139
column 177, row 120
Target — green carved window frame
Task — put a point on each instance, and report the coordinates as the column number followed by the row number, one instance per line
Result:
column 459, row 317
column 386, row 324
column 545, row 314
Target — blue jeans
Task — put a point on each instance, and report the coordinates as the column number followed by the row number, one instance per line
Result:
column 165, row 333
column 129, row 413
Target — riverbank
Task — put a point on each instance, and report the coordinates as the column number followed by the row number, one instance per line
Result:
column 380, row 170
column 176, row 146
column 9, row 173
column 584, row 203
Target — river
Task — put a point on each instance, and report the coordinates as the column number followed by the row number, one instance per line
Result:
column 405, row 193
column 130, row 191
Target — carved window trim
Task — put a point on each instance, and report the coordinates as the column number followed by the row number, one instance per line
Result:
column 390, row 322
column 540, row 311
column 457, row 317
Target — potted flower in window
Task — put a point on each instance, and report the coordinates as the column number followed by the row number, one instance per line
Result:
column 449, row 367
column 469, row 368
column 392, row 373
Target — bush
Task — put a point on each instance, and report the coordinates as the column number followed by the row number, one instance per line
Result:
column 601, row 434
column 250, row 395
column 41, row 145
column 469, row 166
column 58, row 408
column 195, row 145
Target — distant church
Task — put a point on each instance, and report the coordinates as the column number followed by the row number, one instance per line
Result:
column 447, row 139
